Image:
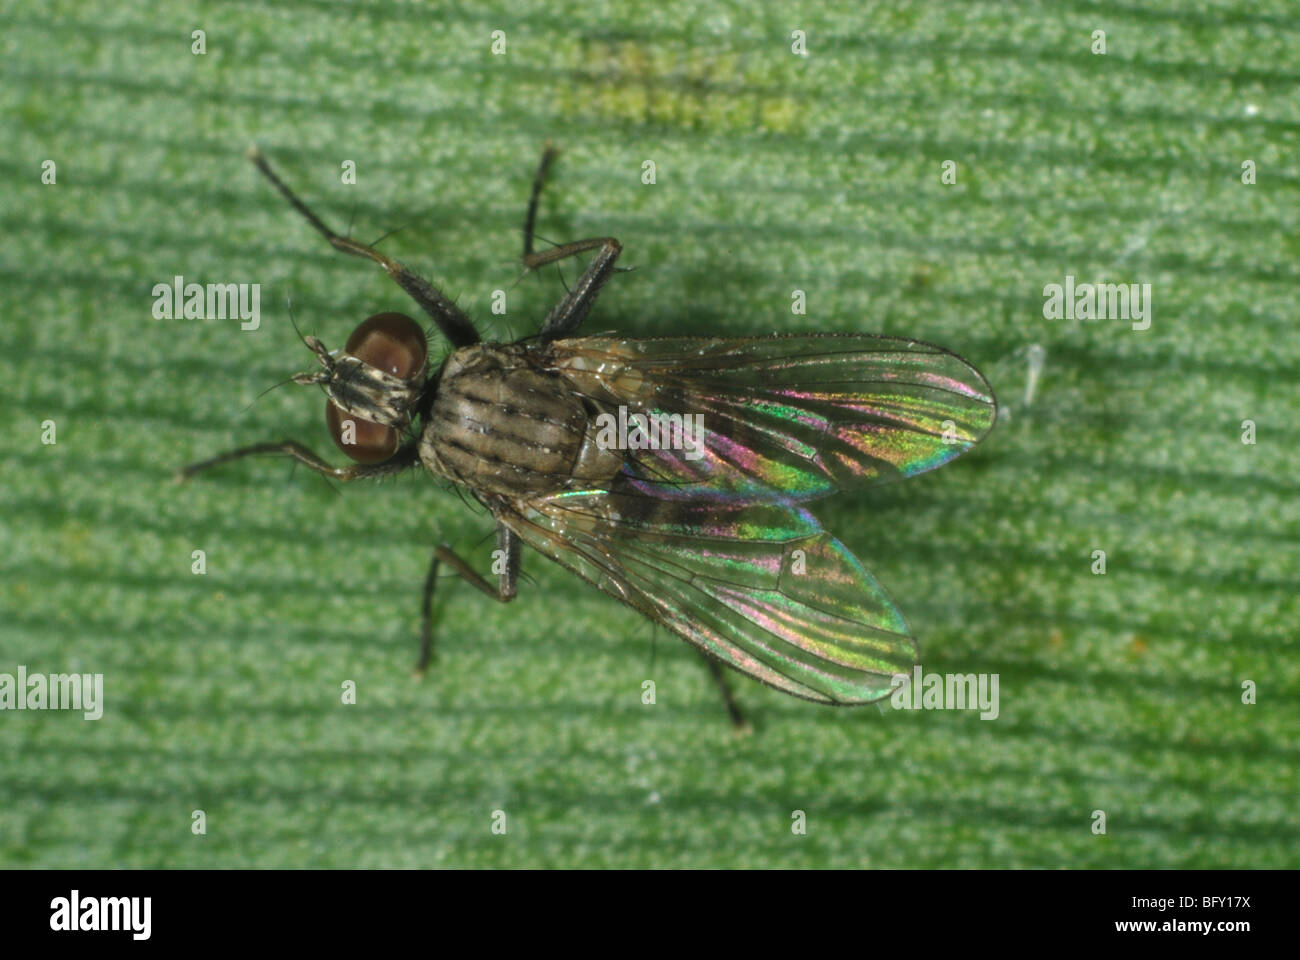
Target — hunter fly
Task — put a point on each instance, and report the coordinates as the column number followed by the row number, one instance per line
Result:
column 709, row 536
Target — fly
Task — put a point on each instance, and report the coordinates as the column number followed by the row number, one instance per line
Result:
column 708, row 534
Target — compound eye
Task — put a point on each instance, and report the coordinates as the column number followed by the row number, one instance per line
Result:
column 362, row 440
column 391, row 342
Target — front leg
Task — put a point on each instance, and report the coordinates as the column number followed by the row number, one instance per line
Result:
column 453, row 323
column 505, row 590
column 407, row 456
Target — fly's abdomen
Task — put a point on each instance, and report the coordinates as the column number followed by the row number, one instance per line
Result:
column 499, row 426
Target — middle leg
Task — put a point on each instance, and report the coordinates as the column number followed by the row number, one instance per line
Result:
column 506, row 589
column 569, row 312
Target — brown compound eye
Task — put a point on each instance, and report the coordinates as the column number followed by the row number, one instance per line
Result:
column 362, row 440
column 391, row 342
column 395, row 344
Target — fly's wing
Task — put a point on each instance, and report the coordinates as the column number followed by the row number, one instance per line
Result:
column 795, row 416
column 761, row 587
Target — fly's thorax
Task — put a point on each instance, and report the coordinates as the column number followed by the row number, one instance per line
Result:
column 602, row 368
column 499, row 425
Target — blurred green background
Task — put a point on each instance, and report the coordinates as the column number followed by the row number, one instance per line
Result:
column 1120, row 693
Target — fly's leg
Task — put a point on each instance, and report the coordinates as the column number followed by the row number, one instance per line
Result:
column 539, row 179
column 720, row 678
column 504, row 591
column 569, row 312
column 455, row 326
column 407, row 456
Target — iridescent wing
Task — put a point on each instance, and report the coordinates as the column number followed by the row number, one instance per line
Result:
column 795, row 416
column 758, row 586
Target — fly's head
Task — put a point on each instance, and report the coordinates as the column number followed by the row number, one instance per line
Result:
column 373, row 385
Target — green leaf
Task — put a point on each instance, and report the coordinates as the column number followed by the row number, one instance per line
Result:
column 774, row 172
